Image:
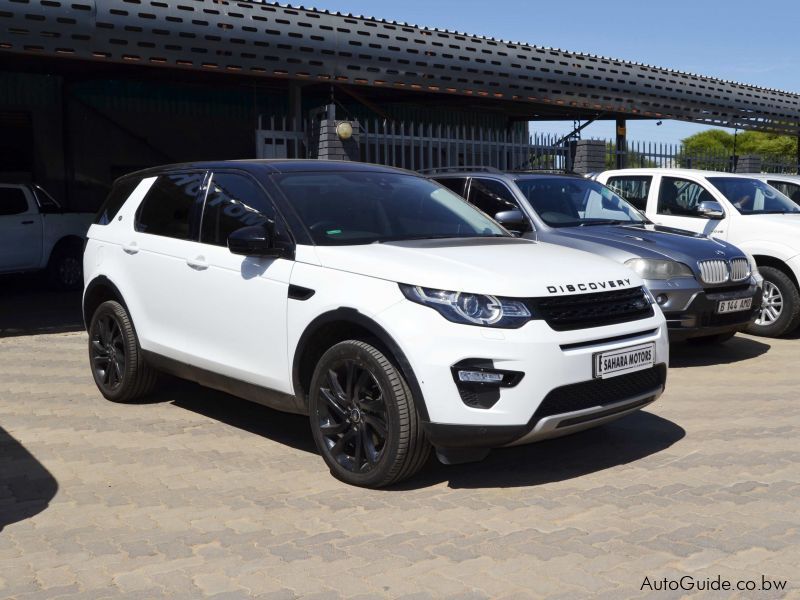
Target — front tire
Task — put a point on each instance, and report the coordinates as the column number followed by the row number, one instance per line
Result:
column 117, row 363
column 780, row 307
column 363, row 417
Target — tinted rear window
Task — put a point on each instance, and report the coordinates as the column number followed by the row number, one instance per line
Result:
column 119, row 193
column 170, row 207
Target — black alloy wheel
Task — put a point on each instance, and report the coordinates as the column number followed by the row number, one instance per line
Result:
column 116, row 360
column 363, row 417
column 107, row 349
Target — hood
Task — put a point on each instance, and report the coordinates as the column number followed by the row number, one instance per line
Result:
column 623, row 242
column 498, row 266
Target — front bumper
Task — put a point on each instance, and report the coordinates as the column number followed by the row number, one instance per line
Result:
column 691, row 311
column 551, row 361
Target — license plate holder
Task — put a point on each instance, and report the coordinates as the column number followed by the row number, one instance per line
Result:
column 731, row 306
column 621, row 361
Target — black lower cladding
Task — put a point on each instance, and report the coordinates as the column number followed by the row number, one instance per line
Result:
column 568, row 398
column 596, row 309
column 701, row 316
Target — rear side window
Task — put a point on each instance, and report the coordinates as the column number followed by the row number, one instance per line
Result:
column 12, row 201
column 170, row 206
column 233, row 201
column 633, row 188
column 120, row 192
column 787, row 189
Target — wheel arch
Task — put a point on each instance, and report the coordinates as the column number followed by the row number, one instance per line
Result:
column 99, row 290
column 344, row 324
column 64, row 242
column 765, row 260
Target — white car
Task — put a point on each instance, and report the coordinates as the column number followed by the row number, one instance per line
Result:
column 738, row 208
column 788, row 185
column 36, row 234
column 375, row 301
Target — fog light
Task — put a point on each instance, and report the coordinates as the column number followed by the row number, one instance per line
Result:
column 479, row 377
column 661, row 299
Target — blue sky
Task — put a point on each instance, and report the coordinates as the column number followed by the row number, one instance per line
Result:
column 751, row 42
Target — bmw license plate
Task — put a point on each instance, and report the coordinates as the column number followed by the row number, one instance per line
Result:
column 624, row 360
column 729, row 306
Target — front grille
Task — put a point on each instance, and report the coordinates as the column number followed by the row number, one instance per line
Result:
column 740, row 269
column 714, row 292
column 599, row 392
column 714, row 271
column 581, row 311
column 725, row 319
column 720, row 271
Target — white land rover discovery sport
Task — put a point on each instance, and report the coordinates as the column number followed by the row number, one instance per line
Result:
column 377, row 302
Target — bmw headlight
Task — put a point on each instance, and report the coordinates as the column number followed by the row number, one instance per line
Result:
column 470, row 309
column 649, row 268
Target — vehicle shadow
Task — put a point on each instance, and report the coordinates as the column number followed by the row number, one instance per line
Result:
column 284, row 428
column 740, row 348
column 28, row 306
column 630, row 439
column 26, row 486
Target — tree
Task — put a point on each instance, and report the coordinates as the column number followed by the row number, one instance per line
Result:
column 714, row 147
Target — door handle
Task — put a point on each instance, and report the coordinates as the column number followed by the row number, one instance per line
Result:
column 198, row 263
column 130, row 248
column 27, row 223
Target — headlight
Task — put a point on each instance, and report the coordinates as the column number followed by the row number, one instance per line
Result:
column 648, row 268
column 470, row 309
column 754, row 272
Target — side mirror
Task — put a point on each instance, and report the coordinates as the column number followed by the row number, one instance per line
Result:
column 514, row 221
column 710, row 209
column 256, row 240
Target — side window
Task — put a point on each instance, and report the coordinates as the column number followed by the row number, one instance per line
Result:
column 633, row 188
column 233, row 201
column 491, row 196
column 121, row 190
column 47, row 203
column 787, row 189
column 169, row 208
column 12, row 201
column 680, row 197
column 454, row 184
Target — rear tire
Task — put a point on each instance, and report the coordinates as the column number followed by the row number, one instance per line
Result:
column 65, row 268
column 780, row 308
column 363, row 417
column 116, row 360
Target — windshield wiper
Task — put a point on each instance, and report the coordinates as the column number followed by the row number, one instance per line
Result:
column 606, row 222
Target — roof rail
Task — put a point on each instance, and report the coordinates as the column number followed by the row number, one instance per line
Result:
column 460, row 169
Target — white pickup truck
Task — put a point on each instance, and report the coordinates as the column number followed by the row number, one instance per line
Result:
column 36, row 234
column 737, row 208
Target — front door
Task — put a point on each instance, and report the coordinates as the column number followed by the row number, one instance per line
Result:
column 241, row 301
column 676, row 205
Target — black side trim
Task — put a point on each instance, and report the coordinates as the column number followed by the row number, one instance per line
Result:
column 99, row 281
column 242, row 389
column 298, row 292
column 351, row 315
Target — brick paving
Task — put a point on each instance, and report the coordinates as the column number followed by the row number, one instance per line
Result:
column 196, row 493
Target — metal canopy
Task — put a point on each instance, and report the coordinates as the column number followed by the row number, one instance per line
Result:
column 268, row 40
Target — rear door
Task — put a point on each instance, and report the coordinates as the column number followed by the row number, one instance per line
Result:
column 240, row 302
column 20, row 230
column 158, row 253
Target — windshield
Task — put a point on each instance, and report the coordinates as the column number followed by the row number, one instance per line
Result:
column 575, row 202
column 753, row 197
column 363, row 207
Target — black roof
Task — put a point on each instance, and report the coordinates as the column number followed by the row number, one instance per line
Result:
column 271, row 166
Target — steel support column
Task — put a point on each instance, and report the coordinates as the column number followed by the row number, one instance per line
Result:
column 622, row 144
